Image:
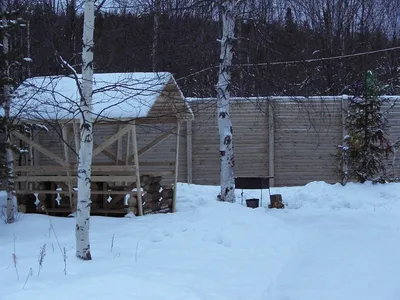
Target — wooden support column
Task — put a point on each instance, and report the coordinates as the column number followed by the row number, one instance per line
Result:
column 127, row 149
column 344, row 108
column 189, row 151
column 66, row 157
column 118, row 153
column 271, row 143
column 30, row 159
column 136, row 159
column 128, row 141
column 76, row 136
column 178, row 129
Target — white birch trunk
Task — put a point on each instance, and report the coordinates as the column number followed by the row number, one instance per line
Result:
column 11, row 205
column 86, row 135
column 223, row 98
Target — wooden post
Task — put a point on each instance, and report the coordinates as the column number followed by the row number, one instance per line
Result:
column 178, row 129
column 118, row 153
column 31, row 158
column 65, row 141
column 136, row 159
column 76, row 136
column 127, row 152
column 189, row 151
column 127, row 149
column 271, row 143
column 343, row 108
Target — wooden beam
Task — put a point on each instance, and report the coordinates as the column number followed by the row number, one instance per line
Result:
column 95, row 168
column 173, row 209
column 107, row 192
column 105, row 178
column 76, row 136
column 111, row 140
column 128, row 141
column 30, row 157
column 65, row 139
column 118, row 153
column 271, row 144
column 39, row 148
column 108, row 154
column 155, row 142
column 156, row 120
column 189, row 152
column 343, row 113
column 136, row 157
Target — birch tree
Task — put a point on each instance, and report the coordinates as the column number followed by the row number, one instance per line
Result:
column 228, row 14
column 86, row 137
column 7, row 103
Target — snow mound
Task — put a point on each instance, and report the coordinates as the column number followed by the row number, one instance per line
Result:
column 335, row 196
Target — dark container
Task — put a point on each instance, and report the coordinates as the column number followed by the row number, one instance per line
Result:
column 253, row 203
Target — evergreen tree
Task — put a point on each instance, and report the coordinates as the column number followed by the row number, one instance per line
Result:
column 367, row 146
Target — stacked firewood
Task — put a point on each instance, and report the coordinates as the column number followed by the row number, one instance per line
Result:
column 46, row 200
column 155, row 197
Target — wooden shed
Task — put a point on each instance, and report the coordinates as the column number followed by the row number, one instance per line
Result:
column 123, row 160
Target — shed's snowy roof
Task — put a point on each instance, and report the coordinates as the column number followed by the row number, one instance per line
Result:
column 115, row 96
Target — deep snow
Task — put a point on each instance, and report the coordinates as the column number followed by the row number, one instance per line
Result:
column 330, row 242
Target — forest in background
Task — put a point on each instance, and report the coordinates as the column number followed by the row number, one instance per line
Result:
column 180, row 36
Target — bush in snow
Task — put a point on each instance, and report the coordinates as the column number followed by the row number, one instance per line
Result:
column 366, row 147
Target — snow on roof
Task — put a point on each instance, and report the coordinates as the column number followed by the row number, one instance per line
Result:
column 115, row 95
column 288, row 98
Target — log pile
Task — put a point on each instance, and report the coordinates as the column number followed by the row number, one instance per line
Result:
column 155, row 197
column 46, row 200
column 97, row 200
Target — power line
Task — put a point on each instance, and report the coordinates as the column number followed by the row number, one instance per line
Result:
column 292, row 62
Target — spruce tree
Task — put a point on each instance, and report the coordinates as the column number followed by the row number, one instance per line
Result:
column 366, row 147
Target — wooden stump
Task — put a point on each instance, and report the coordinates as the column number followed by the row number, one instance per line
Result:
column 276, row 201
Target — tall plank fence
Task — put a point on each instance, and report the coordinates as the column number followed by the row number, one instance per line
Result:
column 291, row 138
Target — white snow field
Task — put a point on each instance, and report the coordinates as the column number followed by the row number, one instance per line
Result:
column 329, row 243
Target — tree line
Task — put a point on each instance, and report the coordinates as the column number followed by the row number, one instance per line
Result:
column 181, row 37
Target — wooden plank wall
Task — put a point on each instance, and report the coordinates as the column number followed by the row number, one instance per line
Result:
column 250, row 123
column 394, row 130
column 163, row 152
column 306, row 135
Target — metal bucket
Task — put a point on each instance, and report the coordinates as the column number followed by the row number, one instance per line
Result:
column 253, row 203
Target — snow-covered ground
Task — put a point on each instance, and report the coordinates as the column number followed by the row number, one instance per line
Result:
column 329, row 243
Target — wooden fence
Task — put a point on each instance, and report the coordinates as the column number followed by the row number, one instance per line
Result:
column 291, row 138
